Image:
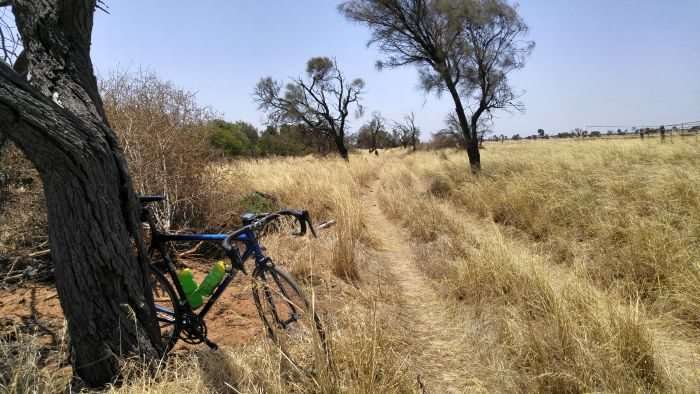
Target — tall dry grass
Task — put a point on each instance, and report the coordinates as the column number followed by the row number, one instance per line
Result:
column 626, row 212
column 367, row 346
column 327, row 187
column 571, row 265
column 22, row 366
column 572, row 254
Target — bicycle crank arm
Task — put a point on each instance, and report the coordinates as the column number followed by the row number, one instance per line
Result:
column 212, row 345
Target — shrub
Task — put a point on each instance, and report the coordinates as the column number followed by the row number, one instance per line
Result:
column 165, row 137
column 234, row 139
column 440, row 186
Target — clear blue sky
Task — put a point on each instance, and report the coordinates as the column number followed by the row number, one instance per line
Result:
column 596, row 62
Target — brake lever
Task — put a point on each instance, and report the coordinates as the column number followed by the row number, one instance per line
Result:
column 307, row 217
column 303, row 218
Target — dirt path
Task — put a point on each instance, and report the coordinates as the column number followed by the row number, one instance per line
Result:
column 440, row 356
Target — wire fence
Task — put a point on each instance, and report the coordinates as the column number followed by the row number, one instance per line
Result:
column 692, row 128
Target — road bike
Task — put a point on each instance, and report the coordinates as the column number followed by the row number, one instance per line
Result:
column 288, row 317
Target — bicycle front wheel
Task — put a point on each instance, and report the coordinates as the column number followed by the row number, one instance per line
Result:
column 290, row 320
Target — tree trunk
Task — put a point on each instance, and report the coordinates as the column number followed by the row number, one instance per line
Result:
column 474, row 155
column 94, row 232
column 475, row 142
column 342, row 150
column 470, row 140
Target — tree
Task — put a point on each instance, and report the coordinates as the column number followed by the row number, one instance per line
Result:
column 234, row 139
column 288, row 141
column 483, row 128
column 10, row 43
column 467, row 48
column 10, row 46
column 540, row 133
column 407, row 131
column 59, row 123
column 321, row 101
column 373, row 135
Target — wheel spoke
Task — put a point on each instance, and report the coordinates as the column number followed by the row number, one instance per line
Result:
column 165, row 300
column 291, row 324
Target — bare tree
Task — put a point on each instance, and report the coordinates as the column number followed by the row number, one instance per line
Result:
column 466, row 48
column 454, row 129
column 10, row 43
column 375, row 127
column 407, row 131
column 321, row 101
column 58, row 121
column 374, row 135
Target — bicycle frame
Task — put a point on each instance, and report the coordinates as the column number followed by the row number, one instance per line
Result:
column 252, row 249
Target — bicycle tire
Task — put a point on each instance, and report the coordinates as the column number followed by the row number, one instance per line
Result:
column 289, row 319
column 168, row 314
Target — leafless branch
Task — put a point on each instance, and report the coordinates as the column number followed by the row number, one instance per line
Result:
column 321, row 100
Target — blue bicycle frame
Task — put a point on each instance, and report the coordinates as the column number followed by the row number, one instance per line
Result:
column 252, row 249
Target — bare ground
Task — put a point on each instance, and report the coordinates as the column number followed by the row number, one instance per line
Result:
column 441, row 355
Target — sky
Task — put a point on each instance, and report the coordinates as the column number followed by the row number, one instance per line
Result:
column 596, row 62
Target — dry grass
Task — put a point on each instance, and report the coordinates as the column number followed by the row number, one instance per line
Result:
column 570, row 267
column 328, row 188
column 368, row 359
column 368, row 349
column 623, row 220
column 627, row 212
column 22, row 366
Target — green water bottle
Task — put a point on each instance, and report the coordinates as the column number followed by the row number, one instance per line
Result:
column 189, row 285
column 213, row 278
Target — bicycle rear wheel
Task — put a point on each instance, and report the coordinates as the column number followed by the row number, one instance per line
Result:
column 290, row 320
column 167, row 312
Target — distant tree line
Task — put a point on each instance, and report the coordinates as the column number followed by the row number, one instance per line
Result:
column 243, row 139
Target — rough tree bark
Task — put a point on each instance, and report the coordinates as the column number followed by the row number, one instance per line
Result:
column 95, row 239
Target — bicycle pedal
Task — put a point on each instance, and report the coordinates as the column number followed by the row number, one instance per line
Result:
column 211, row 344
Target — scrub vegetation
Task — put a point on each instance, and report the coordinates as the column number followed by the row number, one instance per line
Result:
column 565, row 266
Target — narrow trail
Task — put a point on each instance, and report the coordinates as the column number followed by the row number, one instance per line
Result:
column 440, row 356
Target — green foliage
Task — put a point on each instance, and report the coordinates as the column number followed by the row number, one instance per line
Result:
column 235, row 139
column 242, row 139
column 288, row 141
column 258, row 202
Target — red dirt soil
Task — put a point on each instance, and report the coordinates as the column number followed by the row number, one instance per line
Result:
column 35, row 308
